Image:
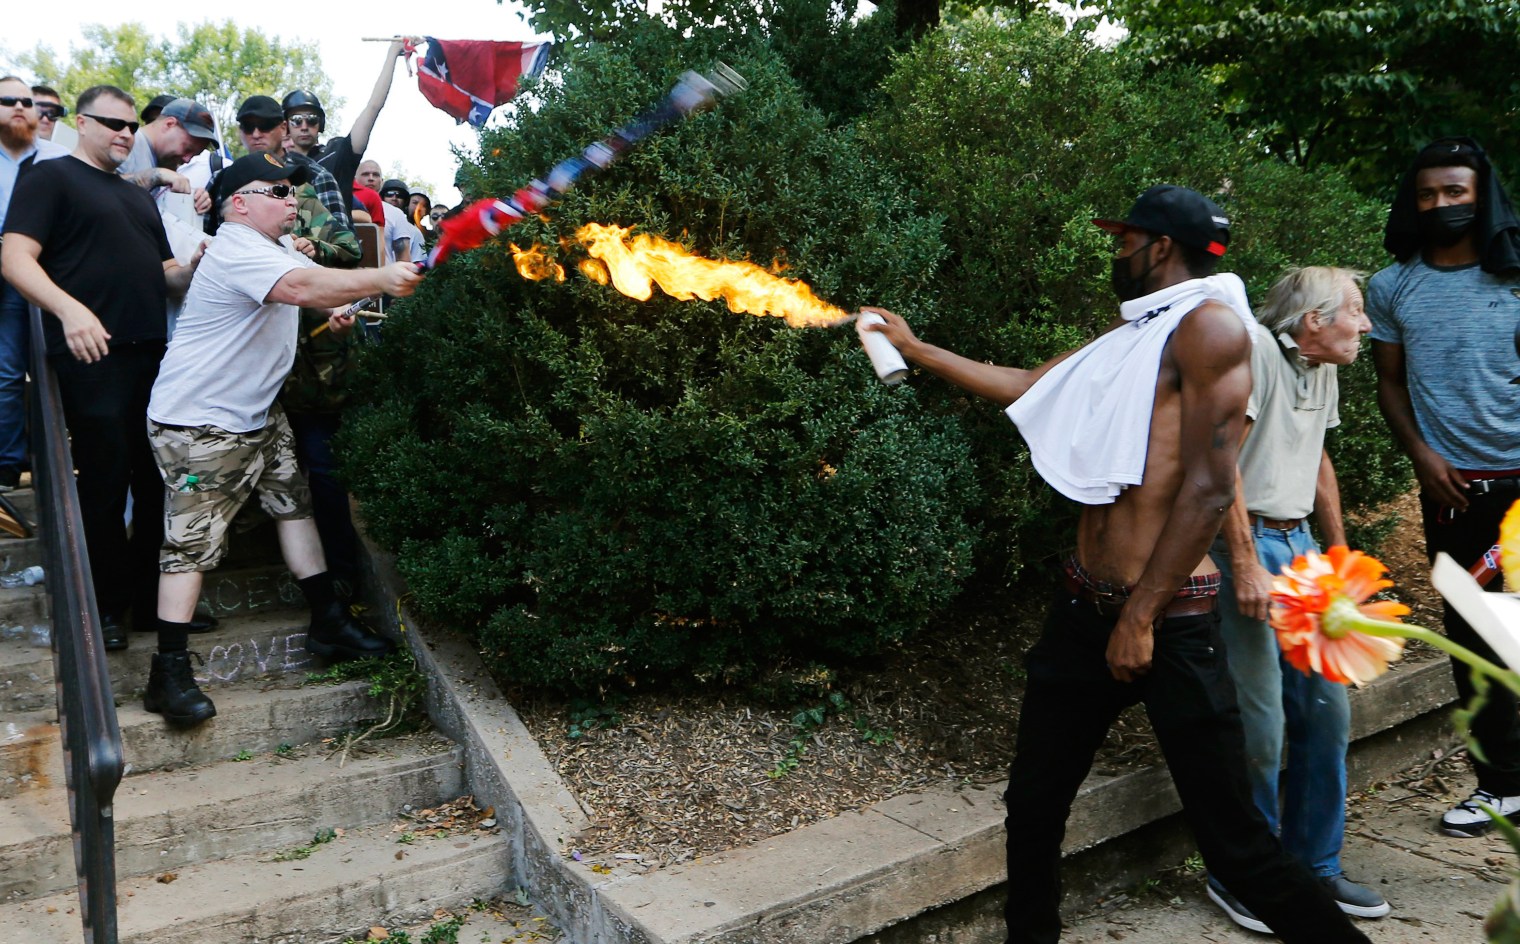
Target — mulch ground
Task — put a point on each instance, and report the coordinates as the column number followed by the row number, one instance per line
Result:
column 666, row 778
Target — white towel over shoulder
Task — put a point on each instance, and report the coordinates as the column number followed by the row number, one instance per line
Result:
column 1087, row 421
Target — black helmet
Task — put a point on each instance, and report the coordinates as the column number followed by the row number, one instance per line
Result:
column 301, row 98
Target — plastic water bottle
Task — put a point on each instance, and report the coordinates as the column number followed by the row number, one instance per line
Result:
column 29, row 577
column 9, row 633
column 41, row 635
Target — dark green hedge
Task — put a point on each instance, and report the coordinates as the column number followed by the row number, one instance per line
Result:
column 606, row 489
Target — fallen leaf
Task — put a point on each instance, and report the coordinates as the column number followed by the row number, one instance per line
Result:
column 167, row 877
column 378, row 934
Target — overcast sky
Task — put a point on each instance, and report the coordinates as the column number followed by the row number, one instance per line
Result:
column 410, row 131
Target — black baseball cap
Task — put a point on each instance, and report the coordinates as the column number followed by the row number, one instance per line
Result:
column 260, row 165
column 395, row 186
column 261, row 106
column 1185, row 215
column 193, row 117
column 155, row 106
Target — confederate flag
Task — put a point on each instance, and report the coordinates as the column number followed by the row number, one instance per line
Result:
column 467, row 78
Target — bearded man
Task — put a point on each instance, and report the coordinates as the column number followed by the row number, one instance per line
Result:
column 20, row 148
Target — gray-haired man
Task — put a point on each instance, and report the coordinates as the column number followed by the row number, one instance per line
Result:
column 1311, row 323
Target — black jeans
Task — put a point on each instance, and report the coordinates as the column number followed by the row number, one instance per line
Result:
column 1069, row 705
column 329, row 499
column 106, row 407
column 1465, row 536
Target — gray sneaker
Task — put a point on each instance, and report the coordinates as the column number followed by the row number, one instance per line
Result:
column 1238, row 913
column 1356, row 900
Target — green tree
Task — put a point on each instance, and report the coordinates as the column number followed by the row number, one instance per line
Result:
column 217, row 64
column 1358, row 86
column 1020, row 132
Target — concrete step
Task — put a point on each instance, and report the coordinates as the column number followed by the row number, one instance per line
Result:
column 265, row 644
column 346, row 886
column 256, row 588
column 248, row 719
column 170, row 820
column 17, row 553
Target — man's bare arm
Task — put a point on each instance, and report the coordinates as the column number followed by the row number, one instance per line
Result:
column 358, row 135
column 86, row 337
column 178, row 277
column 316, row 287
column 1253, row 584
column 1327, row 503
column 1002, row 385
column 1212, row 352
column 1436, row 475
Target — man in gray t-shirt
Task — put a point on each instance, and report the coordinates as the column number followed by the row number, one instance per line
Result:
column 1311, row 322
column 182, row 129
column 1445, row 319
column 218, row 437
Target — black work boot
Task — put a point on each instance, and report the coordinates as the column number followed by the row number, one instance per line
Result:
column 172, row 691
column 336, row 634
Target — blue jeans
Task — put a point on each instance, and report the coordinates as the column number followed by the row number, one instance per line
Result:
column 15, row 347
column 1278, row 703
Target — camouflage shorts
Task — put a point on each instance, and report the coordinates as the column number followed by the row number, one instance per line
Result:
column 209, row 475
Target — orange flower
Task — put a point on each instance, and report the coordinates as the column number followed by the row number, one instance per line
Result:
column 1324, row 623
column 1509, row 547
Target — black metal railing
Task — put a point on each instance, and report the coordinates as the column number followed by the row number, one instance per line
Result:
column 92, row 756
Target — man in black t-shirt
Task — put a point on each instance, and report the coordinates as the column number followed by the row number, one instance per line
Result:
column 88, row 247
column 341, row 156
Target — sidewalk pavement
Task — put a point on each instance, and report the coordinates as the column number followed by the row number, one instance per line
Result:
column 1441, row 888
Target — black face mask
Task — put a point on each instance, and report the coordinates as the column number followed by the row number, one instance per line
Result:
column 1125, row 285
column 1445, row 226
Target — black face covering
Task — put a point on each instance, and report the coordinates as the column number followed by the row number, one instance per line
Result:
column 1125, row 285
column 1445, row 226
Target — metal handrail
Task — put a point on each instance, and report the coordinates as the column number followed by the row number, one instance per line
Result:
column 92, row 754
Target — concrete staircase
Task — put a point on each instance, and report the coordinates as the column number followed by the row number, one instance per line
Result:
column 247, row 828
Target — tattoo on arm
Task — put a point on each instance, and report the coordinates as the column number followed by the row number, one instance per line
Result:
column 1221, row 439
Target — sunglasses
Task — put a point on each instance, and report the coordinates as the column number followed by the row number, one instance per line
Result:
column 301, row 121
column 50, row 111
column 250, row 125
column 115, row 124
column 11, row 101
column 278, row 191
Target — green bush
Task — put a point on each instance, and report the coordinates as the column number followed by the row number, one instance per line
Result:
column 603, row 489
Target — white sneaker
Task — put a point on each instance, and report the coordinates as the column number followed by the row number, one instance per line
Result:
column 1468, row 819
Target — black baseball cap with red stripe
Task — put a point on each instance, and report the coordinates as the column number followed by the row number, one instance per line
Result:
column 1185, row 215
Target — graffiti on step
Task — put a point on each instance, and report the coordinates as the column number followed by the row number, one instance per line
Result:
column 282, row 652
column 231, row 596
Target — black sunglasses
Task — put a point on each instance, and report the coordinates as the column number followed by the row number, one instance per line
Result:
column 278, row 191
column 250, row 125
column 115, row 124
column 11, row 101
column 52, row 111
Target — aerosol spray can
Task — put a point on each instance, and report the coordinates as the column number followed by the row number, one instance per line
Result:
column 1488, row 567
column 889, row 363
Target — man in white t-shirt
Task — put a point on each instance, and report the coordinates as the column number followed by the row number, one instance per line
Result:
column 395, row 238
column 217, row 434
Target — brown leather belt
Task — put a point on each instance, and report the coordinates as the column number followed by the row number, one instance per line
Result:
column 1279, row 524
column 1111, row 604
